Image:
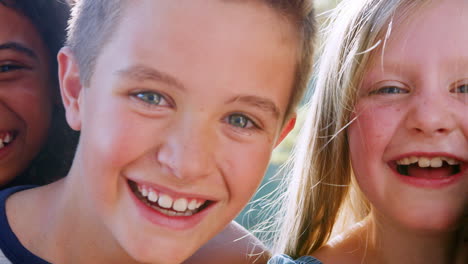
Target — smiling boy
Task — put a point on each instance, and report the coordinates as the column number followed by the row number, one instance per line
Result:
column 179, row 105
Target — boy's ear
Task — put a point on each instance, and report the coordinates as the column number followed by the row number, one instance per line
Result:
column 70, row 87
column 288, row 126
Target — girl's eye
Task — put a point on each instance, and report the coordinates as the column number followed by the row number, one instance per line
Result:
column 9, row 67
column 390, row 90
column 151, row 98
column 241, row 121
column 461, row 89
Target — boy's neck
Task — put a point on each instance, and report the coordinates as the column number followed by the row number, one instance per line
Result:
column 67, row 233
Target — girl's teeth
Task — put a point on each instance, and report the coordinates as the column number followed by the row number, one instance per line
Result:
column 436, row 162
column 8, row 138
column 424, row 162
column 180, row 205
column 165, row 201
column 451, row 161
column 5, row 139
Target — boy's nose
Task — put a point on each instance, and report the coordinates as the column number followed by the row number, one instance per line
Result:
column 431, row 115
column 187, row 153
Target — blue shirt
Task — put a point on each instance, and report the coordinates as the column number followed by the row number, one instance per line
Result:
column 11, row 249
column 284, row 259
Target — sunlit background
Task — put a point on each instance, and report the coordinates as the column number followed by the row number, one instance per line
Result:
column 255, row 212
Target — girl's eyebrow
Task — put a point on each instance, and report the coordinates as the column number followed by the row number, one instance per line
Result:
column 19, row 48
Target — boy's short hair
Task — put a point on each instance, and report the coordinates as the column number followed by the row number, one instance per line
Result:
column 94, row 21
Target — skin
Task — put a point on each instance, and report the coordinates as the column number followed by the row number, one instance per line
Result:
column 24, row 78
column 191, row 115
column 415, row 104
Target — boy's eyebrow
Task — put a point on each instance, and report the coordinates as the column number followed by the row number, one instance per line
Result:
column 144, row 73
column 19, row 48
column 259, row 102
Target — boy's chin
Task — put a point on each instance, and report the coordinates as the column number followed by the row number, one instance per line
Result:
column 161, row 250
column 162, row 254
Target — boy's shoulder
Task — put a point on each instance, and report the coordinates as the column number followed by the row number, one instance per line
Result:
column 11, row 249
column 284, row 259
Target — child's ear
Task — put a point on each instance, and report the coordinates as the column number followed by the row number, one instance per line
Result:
column 70, row 87
column 288, row 126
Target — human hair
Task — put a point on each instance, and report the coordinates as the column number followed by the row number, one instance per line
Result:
column 100, row 19
column 49, row 17
column 322, row 195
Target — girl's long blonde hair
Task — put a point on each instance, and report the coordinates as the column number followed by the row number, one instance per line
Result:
column 321, row 196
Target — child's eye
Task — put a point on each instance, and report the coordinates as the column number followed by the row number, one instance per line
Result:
column 461, row 89
column 390, row 90
column 9, row 67
column 241, row 121
column 151, row 98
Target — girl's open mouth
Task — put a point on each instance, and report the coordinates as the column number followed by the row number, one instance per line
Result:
column 428, row 168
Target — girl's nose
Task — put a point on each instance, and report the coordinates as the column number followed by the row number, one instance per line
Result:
column 431, row 115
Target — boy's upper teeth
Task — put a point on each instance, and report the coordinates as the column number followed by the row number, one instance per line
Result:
column 168, row 202
column 424, row 162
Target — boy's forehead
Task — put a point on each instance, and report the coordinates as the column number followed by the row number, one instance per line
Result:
column 193, row 13
column 223, row 43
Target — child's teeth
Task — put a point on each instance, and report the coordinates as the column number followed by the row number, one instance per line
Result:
column 436, row 162
column 152, row 196
column 451, row 161
column 169, row 205
column 171, row 213
column 413, row 159
column 144, row 192
column 180, row 205
column 404, row 161
column 192, row 205
column 424, row 162
column 8, row 138
column 165, row 201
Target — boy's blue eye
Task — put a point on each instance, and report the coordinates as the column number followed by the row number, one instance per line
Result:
column 150, row 97
column 240, row 121
column 390, row 90
column 462, row 89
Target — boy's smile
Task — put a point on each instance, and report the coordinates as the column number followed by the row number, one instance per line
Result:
column 179, row 120
column 409, row 144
